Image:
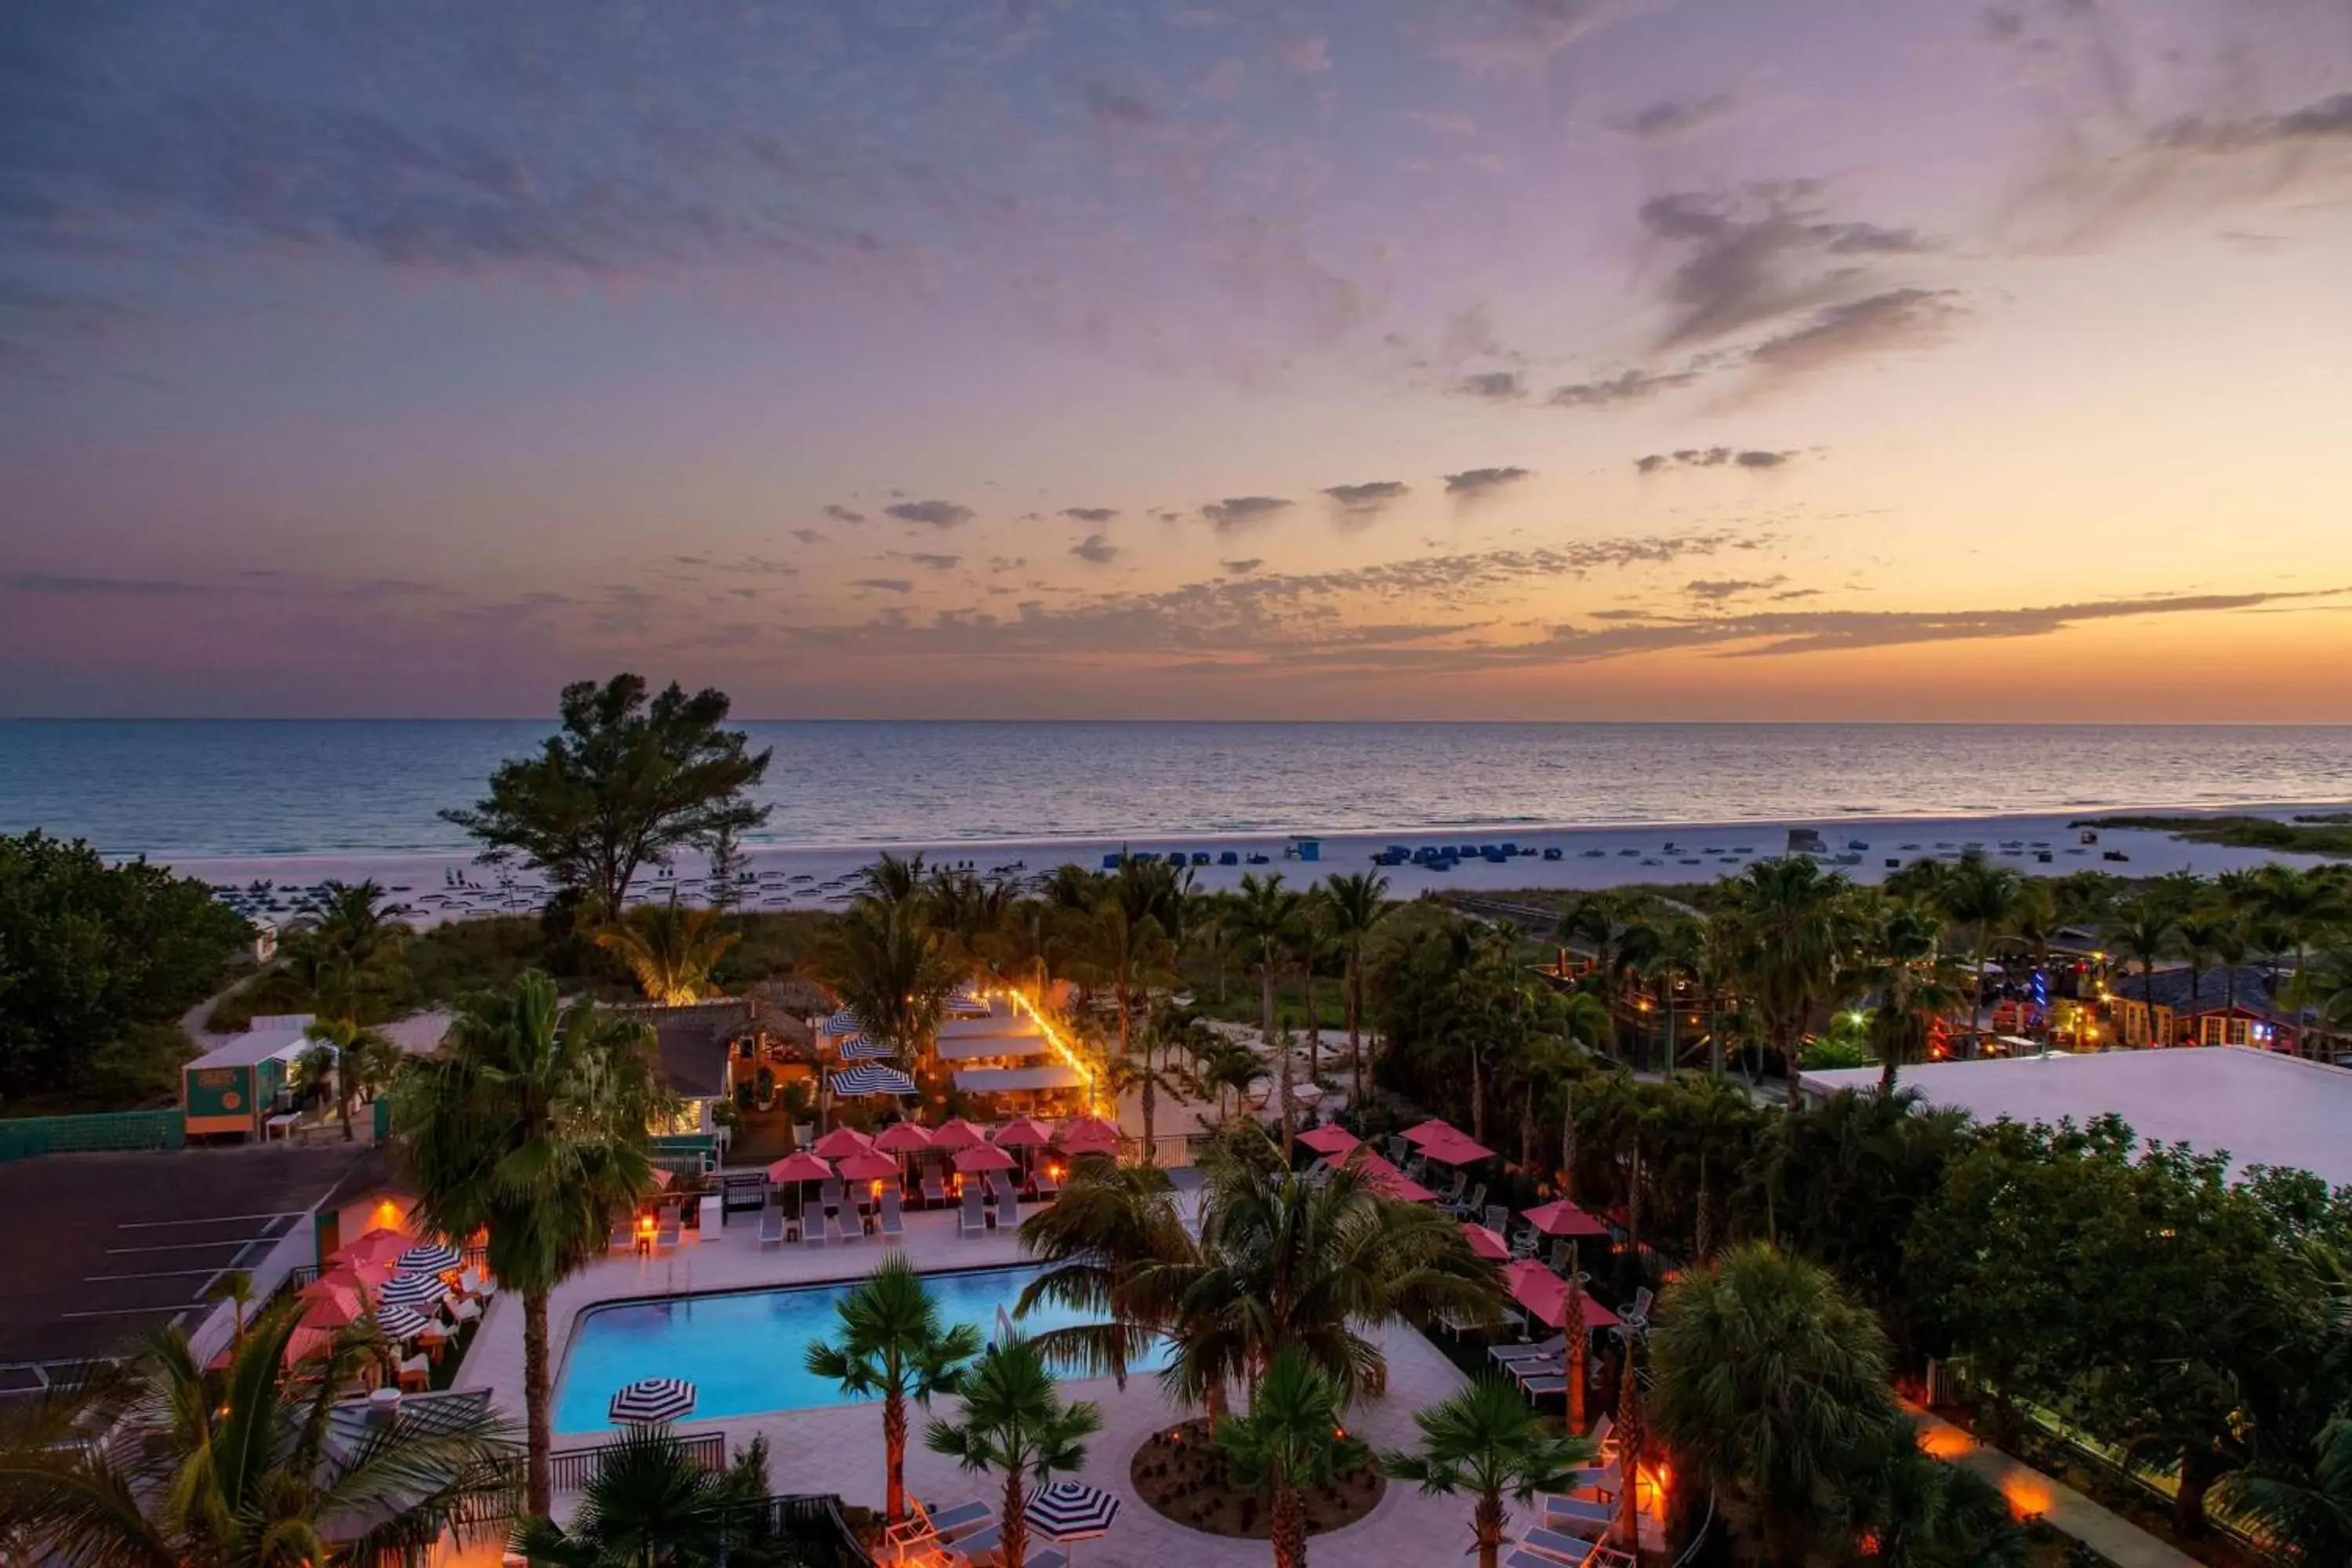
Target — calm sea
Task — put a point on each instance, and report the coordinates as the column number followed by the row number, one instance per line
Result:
column 197, row 788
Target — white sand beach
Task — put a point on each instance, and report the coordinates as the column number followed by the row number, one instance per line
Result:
column 819, row 877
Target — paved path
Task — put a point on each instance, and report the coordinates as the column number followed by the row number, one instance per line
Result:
column 2029, row 1491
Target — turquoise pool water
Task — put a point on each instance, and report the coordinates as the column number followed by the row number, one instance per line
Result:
column 742, row 1349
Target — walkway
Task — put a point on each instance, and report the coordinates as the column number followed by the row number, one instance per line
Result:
column 2029, row 1491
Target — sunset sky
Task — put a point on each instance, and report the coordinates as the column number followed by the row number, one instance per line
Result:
column 1540, row 359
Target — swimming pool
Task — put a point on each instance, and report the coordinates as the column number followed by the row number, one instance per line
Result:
column 742, row 1349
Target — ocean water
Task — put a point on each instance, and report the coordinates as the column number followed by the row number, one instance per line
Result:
column 234, row 788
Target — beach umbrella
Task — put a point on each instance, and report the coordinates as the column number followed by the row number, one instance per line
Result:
column 959, row 1134
column 1458, row 1152
column 330, row 1303
column 412, row 1290
column 1487, row 1244
column 664, row 1176
column 1384, row 1178
column 903, row 1138
column 982, row 1157
column 860, row 1081
column 1097, row 1144
column 379, row 1249
column 869, row 1166
column 800, row 1167
column 1328, row 1139
column 1545, row 1294
column 401, row 1322
column 844, row 1022
column 432, row 1257
column 1433, row 1131
column 1025, row 1131
column 864, row 1048
column 1561, row 1217
column 1087, row 1129
column 651, row 1401
column 1063, row 1511
column 842, row 1140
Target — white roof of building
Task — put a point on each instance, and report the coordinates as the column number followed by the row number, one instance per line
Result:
column 255, row 1046
column 2261, row 1108
column 979, row 1047
column 1008, row 1080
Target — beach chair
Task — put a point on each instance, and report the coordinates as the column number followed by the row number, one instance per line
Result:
column 624, row 1235
column 1527, row 1243
column 973, row 1219
column 771, row 1229
column 465, row 1313
column 1454, row 1193
column 1572, row 1514
column 894, row 1223
column 474, row 1282
column 1399, row 1150
column 935, row 1191
column 1008, row 1210
column 1547, row 1382
column 665, row 1239
column 830, row 1194
column 415, row 1374
column 847, row 1226
column 1048, row 1189
column 1633, row 1318
column 1550, row 1350
column 1498, row 1217
column 812, row 1228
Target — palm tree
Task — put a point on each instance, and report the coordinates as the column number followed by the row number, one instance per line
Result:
column 1264, row 918
column 1126, row 938
column 362, row 1058
column 1314, row 949
column 1731, row 1341
column 1792, row 947
column 1116, row 1245
column 895, row 880
column 1590, row 919
column 671, row 949
column 1012, row 1421
column 648, row 1505
column 1486, row 1440
column 1231, row 1066
column 884, row 960
column 894, row 1344
column 248, row 1467
column 235, row 1286
column 1291, row 1439
column 2306, row 1515
column 2197, row 936
column 2145, row 928
column 1906, row 970
column 347, row 950
column 1666, row 956
column 530, row 1125
column 1983, row 899
column 1356, row 904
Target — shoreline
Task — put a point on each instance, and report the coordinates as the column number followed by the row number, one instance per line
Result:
column 1588, row 858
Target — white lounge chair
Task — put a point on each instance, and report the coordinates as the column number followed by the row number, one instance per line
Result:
column 665, row 1239
column 894, row 1223
column 466, row 1311
column 935, row 1191
column 1008, row 1210
column 812, row 1228
column 972, row 1220
column 772, row 1228
column 1548, row 1350
column 848, row 1226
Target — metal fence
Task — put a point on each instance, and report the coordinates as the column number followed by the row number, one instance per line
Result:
column 22, row 1138
column 571, row 1468
column 819, row 1513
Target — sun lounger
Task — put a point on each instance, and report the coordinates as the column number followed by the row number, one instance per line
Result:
column 812, row 1228
column 1544, row 1384
column 1008, row 1210
column 1572, row 1513
column 415, row 1374
column 625, row 1236
column 894, row 1223
column 973, row 1219
column 830, row 1194
column 1048, row 1188
column 1553, row 1347
column 848, row 1227
column 1565, row 1546
column 1498, row 1217
column 667, row 1236
column 466, row 1311
column 772, row 1228
column 934, row 1191
column 1524, row 1557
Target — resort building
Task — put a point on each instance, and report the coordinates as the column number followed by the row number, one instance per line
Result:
column 1004, row 1050
column 2216, row 1007
column 242, row 1088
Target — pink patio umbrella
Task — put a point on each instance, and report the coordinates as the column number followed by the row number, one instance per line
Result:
column 1095, row 1144
column 1330, row 1139
column 1487, row 1244
column 842, row 1140
column 800, row 1167
column 1562, row 1217
column 663, row 1177
column 959, row 1134
column 982, row 1157
column 377, row 1252
column 1458, row 1152
column 869, row 1166
column 1087, row 1129
column 1025, row 1131
column 332, row 1301
column 904, row 1138
column 1544, row 1295
column 1435, row 1130
column 1384, row 1178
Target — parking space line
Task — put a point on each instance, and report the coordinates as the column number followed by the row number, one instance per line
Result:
column 208, row 1219
column 238, row 1243
column 159, row 1274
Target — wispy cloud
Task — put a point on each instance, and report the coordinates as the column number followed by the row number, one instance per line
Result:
column 933, row 513
column 1474, row 482
column 842, row 514
column 1626, row 386
column 1672, row 119
column 1361, row 501
column 1095, row 550
column 70, row 586
column 1239, row 512
column 1755, row 459
column 1093, row 514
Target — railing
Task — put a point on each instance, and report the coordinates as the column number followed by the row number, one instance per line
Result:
column 821, row 1512
column 22, row 1138
column 569, row 1469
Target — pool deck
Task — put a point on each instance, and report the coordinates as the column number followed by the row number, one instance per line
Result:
column 840, row 1449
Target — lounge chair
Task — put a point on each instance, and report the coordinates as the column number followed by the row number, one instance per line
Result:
column 1008, row 1210
column 466, row 1311
column 1047, row 1187
column 830, row 1194
column 848, row 1227
column 1566, row 1514
column 1462, row 1321
column 1527, row 1243
column 1551, row 1349
column 973, row 1219
column 894, row 1223
column 1453, row 1194
column 1498, row 1217
column 772, row 1228
column 1633, row 1318
column 415, row 1373
column 812, row 1228
column 665, row 1239
column 1562, row 1255
column 935, row 1191
column 625, row 1236
column 1546, row 1384
column 1566, row 1545
column 474, row 1282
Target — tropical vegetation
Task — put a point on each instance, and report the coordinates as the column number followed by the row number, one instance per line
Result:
column 893, row 1343
column 1011, row 1419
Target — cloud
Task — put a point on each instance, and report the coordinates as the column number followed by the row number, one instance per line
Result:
column 1671, row 120
column 1628, row 386
column 1007, row 563
column 1472, row 482
column 1444, row 124
column 1113, row 110
column 1303, row 54
column 1518, row 37
column 1364, row 500
column 1753, row 458
column 1096, row 514
column 1786, row 594
column 1220, row 80
column 1897, row 318
column 1095, row 550
column 842, row 514
column 921, row 558
column 1498, row 385
column 1761, row 252
column 1243, row 567
column 67, row 585
column 1716, row 590
column 1237, row 512
column 883, row 584
column 936, row 513
column 808, row 536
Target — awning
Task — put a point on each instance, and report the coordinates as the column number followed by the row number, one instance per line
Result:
column 977, row 1047
column 1012, row 1080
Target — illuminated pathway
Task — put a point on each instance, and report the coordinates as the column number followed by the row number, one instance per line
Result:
column 2114, row 1538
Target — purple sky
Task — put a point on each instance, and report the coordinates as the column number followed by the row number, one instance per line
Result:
column 1484, row 358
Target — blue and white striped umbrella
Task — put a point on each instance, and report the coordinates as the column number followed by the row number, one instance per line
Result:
column 425, row 1290
column 652, row 1400
column 860, row 1081
column 401, row 1322
column 1070, row 1511
column 864, row 1048
column 432, row 1257
column 845, row 1022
